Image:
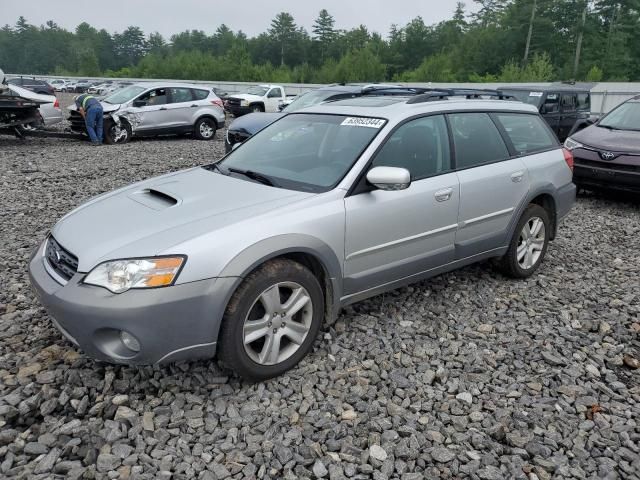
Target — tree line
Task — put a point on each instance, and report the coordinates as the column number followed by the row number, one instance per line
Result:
column 501, row 40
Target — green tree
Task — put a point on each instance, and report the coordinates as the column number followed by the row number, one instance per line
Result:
column 283, row 32
column 324, row 32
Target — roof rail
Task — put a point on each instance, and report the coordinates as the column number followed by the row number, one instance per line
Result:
column 469, row 93
column 381, row 89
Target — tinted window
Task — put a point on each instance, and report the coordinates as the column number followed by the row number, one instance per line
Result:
column 421, row 146
column 275, row 93
column 200, row 94
column 584, row 101
column 527, row 132
column 476, row 139
column 552, row 103
column 568, row 101
column 157, row 96
column 180, row 95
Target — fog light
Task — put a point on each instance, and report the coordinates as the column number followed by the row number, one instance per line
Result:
column 130, row 341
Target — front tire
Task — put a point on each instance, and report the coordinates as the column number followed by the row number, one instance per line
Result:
column 205, row 129
column 114, row 134
column 529, row 243
column 271, row 321
column 257, row 108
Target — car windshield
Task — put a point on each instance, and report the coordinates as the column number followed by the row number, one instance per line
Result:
column 307, row 100
column 526, row 96
column 259, row 91
column 625, row 117
column 307, row 152
column 124, row 95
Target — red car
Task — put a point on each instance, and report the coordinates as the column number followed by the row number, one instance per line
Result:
column 607, row 153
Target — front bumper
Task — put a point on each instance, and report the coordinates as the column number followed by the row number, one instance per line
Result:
column 237, row 111
column 606, row 177
column 174, row 323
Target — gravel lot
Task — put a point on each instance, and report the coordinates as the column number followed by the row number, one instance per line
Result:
column 467, row 375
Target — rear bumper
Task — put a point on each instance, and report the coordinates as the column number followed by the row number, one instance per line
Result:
column 606, row 178
column 173, row 323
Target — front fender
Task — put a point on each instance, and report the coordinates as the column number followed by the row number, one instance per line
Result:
column 252, row 257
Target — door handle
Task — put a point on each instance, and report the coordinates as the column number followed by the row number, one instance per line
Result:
column 443, row 195
column 194, row 106
column 162, row 108
column 517, row 176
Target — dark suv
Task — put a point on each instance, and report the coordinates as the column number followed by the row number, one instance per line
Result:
column 561, row 105
column 607, row 153
column 37, row 86
column 244, row 127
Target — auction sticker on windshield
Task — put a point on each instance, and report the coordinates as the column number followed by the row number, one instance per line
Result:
column 363, row 122
column 535, row 94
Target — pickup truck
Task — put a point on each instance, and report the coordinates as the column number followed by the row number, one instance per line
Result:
column 261, row 98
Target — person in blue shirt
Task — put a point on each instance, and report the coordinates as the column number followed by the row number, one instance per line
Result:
column 91, row 110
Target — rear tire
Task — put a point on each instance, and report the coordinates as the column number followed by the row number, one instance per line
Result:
column 205, row 129
column 271, row 321
column 113, row 134
column 529, row 243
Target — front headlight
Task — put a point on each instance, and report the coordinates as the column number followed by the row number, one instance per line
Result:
column 118, row 276
column 244, row 103
column 570, row 144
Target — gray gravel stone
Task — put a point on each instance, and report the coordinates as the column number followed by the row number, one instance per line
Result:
column 385, row 392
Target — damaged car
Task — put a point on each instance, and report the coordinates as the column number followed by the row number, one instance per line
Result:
column 19, row 107
column 154, row 109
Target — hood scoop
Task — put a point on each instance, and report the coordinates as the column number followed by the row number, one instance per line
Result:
column 154, row 198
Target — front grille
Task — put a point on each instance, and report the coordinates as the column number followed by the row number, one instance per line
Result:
column 63, row 262
column 235, row 102
column 76, row 120
column 607, row 165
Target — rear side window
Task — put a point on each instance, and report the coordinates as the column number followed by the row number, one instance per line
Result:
column 180, row 95
column 584, row 101
column 527, row 133
column 200, row 94
column 568, row 101
column 476, row 140
column 551, row 103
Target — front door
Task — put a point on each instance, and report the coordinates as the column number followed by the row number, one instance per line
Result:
column 492, row 185
column 274, row 96
column 149, row 111
column 392, row 235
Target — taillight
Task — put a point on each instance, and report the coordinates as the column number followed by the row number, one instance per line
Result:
column 217, row 102
column 56, row 104
column 568, row 157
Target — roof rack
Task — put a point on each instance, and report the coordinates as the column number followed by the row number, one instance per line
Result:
column 469, row 93
column 381, row 89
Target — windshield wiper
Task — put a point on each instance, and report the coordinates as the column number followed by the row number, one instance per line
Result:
column 258, row 177
column 215, row 166
column 609, row 127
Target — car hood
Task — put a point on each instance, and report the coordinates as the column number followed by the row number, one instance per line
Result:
column 28, row 94
column 605, row 139
column 148, row 218
column 253, row 122
column 246, row 96
column 106, row 107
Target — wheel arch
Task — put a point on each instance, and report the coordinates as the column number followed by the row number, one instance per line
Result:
column 207, row 115
column 311, row 252
column 543, row 196
column 260, row 104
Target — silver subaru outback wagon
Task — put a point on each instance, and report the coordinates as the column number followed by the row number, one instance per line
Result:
column 248, row 256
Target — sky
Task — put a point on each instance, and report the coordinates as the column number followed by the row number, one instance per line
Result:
column 250, row 16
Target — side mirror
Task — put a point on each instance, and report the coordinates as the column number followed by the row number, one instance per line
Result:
column 139, row 103
column 389, row 178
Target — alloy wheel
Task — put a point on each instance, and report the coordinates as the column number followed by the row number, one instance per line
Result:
column 206, row 130
column 278, row 323
column 531, row 243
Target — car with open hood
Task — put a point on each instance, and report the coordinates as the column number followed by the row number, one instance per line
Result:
column 247, row 257
column 607, row 153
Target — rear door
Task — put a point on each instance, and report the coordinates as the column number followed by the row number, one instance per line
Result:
column 550, row 110
column 492, row 183
column 568, row 114
column 391, row 235
column 181, row 108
